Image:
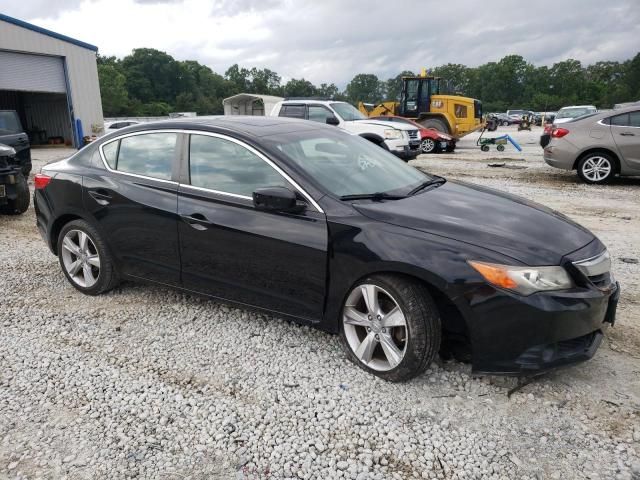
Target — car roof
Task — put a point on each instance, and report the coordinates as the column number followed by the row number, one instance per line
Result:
column 578, row 106
column 245, row 125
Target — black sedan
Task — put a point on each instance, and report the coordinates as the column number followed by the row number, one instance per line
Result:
column 308, row 222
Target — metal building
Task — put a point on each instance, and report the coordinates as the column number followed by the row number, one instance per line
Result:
column 51, row 80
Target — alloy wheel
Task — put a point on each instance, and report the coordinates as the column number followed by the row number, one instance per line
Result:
column 375, row 327
column 596, row 168
column 428, row 145
column 80, row 258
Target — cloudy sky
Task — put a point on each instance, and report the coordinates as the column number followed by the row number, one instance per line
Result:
column 331, row 40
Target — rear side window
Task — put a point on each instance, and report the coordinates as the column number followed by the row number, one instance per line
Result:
column 620, row 120
column 149, row 154
column 110, row 151
column 634, row 119
column 9, row 123
column 293, row 111
column 225, row 166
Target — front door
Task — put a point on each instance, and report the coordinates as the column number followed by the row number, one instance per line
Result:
column 135, row 201
column 625, row 129
column 230, row 250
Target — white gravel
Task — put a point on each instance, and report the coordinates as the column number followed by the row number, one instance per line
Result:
column 145, row 382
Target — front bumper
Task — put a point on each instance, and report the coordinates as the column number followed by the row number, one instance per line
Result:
column 519, row 335
column 407, row 151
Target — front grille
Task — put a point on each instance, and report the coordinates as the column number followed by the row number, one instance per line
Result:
column 413, row 135
column 597, row 270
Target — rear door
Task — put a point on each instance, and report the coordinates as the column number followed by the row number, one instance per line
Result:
column 134, row 200
column 625, row 129
column 230, row 250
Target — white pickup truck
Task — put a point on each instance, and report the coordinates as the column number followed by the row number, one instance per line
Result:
column 400, row 139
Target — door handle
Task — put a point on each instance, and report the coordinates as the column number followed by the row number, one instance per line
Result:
column 102, row 197
column 628, row 134
column 197, row 221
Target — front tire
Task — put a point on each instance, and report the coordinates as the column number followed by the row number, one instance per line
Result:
column 390, row 326
column 428, row 145
column 596, row 168
column 85, row 258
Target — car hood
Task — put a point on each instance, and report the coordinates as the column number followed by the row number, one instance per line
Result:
column 504, row 223
column 384, row 123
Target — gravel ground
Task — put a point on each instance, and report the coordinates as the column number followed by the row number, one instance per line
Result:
column 145, row 382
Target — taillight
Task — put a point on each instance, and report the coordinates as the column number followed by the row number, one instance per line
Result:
column 559, row 132
column 41, row 180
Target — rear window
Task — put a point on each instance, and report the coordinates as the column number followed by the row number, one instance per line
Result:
column 9, row 123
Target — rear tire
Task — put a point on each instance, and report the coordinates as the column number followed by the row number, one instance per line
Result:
column 596, row 168
column 484, row 148
column 439, row 125
column 86, row 261
column 23, row 198
column 505, row 124
column 390, row 327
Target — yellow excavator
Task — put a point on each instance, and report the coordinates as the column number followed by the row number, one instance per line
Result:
column 422, row 102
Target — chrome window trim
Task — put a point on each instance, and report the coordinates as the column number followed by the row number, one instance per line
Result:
column 596, row 265
column 218, row 192
column 209, row 134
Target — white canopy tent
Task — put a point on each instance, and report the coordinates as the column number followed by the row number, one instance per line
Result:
column 250, row 104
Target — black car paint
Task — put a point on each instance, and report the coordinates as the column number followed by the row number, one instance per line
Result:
column 303, row 265
column 19, row 141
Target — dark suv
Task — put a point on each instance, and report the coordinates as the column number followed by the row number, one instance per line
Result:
column 12, row 134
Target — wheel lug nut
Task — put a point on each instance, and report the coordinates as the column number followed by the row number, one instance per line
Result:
column 378, row 317
column 368, row 329
column 377, row 337
column 369, row 317
column 384, row 330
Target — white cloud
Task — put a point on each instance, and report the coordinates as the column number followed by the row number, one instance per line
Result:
column 331, row 40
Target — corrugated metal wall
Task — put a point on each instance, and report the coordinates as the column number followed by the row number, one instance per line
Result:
column 80, row 63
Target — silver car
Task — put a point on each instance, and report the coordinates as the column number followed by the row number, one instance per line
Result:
column 599, row 146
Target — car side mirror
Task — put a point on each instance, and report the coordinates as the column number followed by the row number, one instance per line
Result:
column 333, row 120
column 276, row 199
column 6, row 151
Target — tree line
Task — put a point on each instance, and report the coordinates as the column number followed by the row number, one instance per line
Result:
column 149, row 82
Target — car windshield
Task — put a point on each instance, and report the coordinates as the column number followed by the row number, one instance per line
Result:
column 9, row 123
column 347, row 111
column 344, row 164
column 574, row 112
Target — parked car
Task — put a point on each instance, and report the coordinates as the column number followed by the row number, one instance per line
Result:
column 431, row 140
column 13, row 135
column 117, row 125
column 400, row 139
column 599, row 146
column 309, row 222
column 504, row 119
column 14, row 190
column 566, row 114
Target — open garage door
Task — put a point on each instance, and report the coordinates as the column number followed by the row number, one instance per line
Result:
column 35, row 86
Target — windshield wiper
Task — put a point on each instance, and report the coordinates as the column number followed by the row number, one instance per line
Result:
column 377, row 196
column 435, row 181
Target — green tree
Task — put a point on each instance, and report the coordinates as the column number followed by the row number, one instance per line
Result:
column 365, row 87
column 299, row 88
column 113, row 90
column 152, row 75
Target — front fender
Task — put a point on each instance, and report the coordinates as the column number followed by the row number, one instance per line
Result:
column 371, row 248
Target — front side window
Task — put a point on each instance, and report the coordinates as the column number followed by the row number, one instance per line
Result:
column 225, row 166
column 318, row 113
column 9, row 123
column 460, row 111
column 149, row 154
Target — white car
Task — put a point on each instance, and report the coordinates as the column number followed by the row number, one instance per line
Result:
column 400, row 139
column 567, row 114
column 113, row 126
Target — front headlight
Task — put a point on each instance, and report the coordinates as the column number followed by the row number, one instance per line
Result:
column 392, row 134
column 524, row 280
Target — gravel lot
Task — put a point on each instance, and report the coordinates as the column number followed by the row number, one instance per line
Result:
column 145, row 382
